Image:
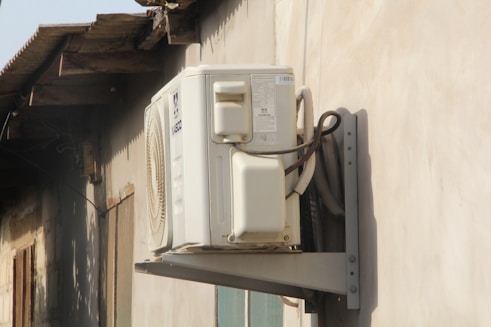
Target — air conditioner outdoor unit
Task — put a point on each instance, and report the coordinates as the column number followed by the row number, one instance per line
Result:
column 212, row 182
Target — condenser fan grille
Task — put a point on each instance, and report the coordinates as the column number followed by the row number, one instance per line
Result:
column 155, row 176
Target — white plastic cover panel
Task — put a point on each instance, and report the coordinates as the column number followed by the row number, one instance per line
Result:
column 258, row 196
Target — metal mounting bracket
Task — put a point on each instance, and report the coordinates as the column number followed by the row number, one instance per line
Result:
column 351, row 210
column 290, row 274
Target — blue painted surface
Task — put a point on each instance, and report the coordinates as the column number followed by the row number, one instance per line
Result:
column 265, row 310
column 230, row 307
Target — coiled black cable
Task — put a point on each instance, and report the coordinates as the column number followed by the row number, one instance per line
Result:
column 317, row 139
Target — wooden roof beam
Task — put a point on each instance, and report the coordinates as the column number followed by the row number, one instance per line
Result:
column 155, row 30
column 53, row 95
column 180, row 24
column 182, row 27
column 181, row 4
column 109, row 63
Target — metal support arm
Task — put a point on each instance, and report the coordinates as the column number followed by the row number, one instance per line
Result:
column 279, row 273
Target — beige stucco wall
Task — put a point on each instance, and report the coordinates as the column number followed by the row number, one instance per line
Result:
column 417, row 75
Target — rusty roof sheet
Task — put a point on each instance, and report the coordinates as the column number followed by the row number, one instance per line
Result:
column 50, row 39
column 37, row 49
column 27, row 61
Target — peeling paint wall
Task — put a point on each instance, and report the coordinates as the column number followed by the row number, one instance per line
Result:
column 31, row 220
column 6, row 278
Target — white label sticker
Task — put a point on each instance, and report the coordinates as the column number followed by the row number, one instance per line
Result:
column 263, row 104
column 285, row 80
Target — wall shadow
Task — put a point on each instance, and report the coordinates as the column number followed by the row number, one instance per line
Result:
column 48, row 247
column 214, row 16
column 121, row 125
column 79, row 287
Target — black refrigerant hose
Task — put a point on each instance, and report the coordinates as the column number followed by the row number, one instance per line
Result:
column 324, row 195
column 328, row 176
column 317, row 139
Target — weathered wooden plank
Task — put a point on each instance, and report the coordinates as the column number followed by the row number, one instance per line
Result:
column 18, row 277
column 183, row 4
column 120, row 18
column 119, row 63
column 110, row 278
column 124, row 261
column 155, row 30
column 105, row 43
column 29, row 284
column 51, row 71
column 182, row 28
column 51, row 95
column 23, row 287
column 177, row 19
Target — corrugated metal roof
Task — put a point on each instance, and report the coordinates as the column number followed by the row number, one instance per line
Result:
column 39, row 46
column 115, row 31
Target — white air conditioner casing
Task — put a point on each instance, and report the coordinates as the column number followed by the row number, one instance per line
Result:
column 204, row 191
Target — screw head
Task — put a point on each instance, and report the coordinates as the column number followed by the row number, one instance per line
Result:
column 353, row 289
column 352, row 258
